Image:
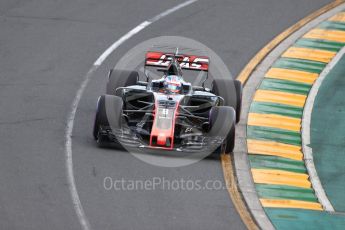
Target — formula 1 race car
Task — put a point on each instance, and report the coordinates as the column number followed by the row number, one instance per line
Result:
column 168, row 113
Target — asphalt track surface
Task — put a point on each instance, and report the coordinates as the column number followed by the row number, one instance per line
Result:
column 46, row 48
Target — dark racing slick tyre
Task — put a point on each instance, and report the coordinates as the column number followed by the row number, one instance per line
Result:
column 222, row 124
column 108, row 117
column 231, row 91
column 120, row 78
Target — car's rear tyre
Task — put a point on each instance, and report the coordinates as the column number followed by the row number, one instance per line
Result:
column 120, row 78
column 108, row 116
column 222, row 124
column 231, row 91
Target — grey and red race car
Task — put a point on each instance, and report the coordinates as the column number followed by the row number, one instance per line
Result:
column 168, row 113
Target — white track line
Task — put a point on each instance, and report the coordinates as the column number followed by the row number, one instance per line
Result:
column 306, row 122
column 70, row 120
column 138, row 28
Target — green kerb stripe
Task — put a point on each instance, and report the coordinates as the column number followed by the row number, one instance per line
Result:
column 319, row 44
column 330, row 25
column 285, row 86
column 300, row 64
column 274, row 162
column 279, row 109
column 273, row 134
column 285, row 192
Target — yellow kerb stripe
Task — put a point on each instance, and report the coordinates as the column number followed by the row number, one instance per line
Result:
column 339, row 17
column 330, row 35
column 280, row 97
column 274, row 121
column 274, row 149
column 309, row 54
column 280, row 177
column 275, row 203
column 292, row 75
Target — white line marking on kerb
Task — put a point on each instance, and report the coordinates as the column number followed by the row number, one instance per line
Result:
column 306, row 122
column 70, row 120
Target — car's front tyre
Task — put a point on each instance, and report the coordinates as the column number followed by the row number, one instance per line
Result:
column 222, row 122
column 108, row 118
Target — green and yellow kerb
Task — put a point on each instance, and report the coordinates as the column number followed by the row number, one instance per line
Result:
column 274, row 121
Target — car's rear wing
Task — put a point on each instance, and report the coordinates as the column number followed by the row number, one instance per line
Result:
column 191, row 62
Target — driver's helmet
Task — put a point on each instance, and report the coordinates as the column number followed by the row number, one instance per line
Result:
column 173, row 83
